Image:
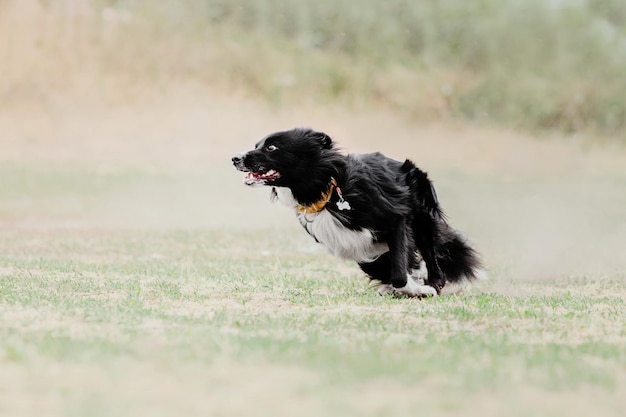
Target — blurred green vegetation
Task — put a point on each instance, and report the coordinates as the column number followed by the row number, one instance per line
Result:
column 557, row 65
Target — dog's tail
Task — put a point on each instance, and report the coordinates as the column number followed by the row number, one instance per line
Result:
column 459, row 262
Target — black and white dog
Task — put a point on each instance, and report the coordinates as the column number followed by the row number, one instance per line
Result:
column 374, row 210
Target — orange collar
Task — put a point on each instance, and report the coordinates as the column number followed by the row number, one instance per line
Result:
column 321, row 203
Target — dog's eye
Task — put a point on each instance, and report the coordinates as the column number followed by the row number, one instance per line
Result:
column 271, row 148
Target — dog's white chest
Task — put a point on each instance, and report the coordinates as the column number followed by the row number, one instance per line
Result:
column 356, row 245
column 285, row 196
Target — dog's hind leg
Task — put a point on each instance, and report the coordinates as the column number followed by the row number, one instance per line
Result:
column 427, row 215
column 426, row 230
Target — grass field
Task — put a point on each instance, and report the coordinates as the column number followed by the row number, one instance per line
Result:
column 138, row 276
column 217, row 323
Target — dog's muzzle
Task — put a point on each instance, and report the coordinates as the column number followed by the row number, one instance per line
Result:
column 238, row 162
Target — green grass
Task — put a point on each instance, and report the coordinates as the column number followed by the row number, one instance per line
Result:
column 127, row 306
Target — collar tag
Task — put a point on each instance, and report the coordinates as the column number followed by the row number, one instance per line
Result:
column 342, row 204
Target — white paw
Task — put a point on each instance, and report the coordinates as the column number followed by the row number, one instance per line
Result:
column 426, row 291
column 413, row 288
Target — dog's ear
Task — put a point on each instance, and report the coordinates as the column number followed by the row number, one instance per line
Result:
column 324, row 139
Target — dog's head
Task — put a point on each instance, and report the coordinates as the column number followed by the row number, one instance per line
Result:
column 283, row 158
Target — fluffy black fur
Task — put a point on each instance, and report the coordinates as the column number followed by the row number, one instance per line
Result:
column 393, row 200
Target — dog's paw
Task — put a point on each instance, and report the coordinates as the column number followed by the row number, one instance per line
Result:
column 427, row 291
column 413, row 288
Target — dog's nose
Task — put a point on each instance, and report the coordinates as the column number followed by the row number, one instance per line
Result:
column 237, row 159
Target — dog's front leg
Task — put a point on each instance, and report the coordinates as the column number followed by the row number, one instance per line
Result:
column 401, row 280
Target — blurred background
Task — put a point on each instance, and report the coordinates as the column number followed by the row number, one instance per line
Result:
column 124, row 114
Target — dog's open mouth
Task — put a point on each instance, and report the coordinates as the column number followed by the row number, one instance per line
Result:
column 253, row 178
